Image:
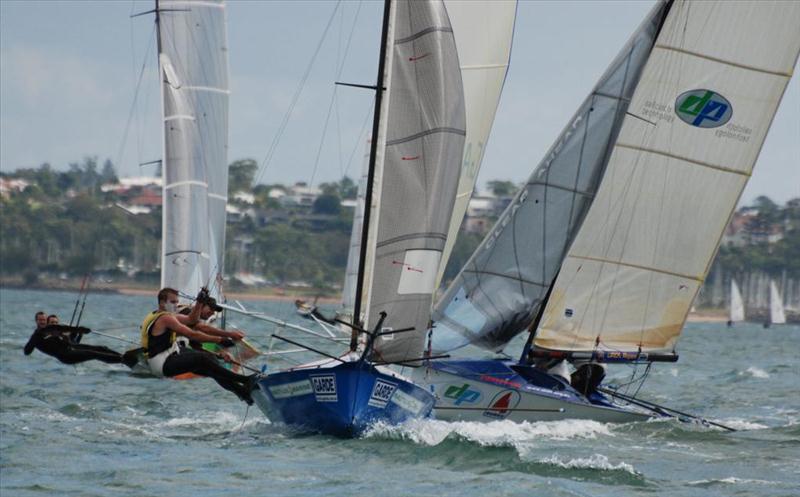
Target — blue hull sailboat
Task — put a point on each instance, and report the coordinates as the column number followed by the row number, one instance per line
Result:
column 414, row 168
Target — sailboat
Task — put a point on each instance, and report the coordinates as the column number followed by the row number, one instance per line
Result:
column 193, row 71
column 415, row 158
column 736, row 313
column 776, row 312
column 600, row 256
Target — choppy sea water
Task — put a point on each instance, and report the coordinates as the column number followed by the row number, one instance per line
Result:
column 97, row 430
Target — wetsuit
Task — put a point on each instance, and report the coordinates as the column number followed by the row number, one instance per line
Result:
column 169, row 356
column 60, row 347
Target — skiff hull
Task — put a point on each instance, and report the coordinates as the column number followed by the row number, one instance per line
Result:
column 343, row 400
column 491, row 390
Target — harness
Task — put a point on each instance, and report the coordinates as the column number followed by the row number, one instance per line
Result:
column 158, row 348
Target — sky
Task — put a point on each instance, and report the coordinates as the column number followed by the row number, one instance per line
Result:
column 69, row 72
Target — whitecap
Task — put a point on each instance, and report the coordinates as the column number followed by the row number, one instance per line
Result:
column 742, row 424
column 731, row 480
column 596, row 461
column 756, row 372
column 496, row 433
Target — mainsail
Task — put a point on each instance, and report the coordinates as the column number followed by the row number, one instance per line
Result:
column 500, row 289
column 422, row 146
column 193, row 62
column 483, row 30
column 776, row 313
column 737, row 304
column 697, row 121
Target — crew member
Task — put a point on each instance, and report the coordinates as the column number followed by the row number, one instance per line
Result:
column 165, row 336
column 52, row 339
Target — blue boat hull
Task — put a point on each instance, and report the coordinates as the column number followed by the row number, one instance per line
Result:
column 343, row 400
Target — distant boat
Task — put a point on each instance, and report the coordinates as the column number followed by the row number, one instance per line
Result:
column 736, row 313
column 601, row 254
column 776, row 311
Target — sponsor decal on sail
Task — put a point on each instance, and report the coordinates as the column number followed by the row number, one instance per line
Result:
column 502, row 404
column 324, row 387
column 703, row 108
column 381, row 393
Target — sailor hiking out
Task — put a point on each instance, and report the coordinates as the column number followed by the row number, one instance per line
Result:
column 165, row 339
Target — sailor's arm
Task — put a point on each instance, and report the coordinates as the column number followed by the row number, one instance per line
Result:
column 171, row 322
column 213, row 330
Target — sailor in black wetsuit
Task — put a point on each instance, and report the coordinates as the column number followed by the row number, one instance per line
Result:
column 53, row 340
column 167, row 352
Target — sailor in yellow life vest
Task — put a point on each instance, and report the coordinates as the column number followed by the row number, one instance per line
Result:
column 165, row 337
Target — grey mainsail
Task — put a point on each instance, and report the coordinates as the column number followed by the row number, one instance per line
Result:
column 422, row 154
column 500, row 289
column 193, row 62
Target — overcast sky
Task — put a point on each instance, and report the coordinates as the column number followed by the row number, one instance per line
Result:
column 68, row 72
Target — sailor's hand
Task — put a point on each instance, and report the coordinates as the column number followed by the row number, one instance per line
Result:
column 226, row 342
column 235, row 335
column 202, row 295
column 225, row 356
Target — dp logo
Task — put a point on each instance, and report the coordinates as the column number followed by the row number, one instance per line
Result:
column 703, row 108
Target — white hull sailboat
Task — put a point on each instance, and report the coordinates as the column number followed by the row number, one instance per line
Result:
column 736, row 313
column 614, row 234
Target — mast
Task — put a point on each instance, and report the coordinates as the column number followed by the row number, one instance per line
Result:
column 371, row 173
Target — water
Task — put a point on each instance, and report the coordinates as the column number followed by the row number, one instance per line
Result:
column 96, row 430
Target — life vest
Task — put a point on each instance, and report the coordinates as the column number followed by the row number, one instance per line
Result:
column 164, row 341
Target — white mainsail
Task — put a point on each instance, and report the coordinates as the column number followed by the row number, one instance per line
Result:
column 776, row 314
column 421, row 138
column 737, row 304
column 695, row 127
column 193, row 60
column 483, row 30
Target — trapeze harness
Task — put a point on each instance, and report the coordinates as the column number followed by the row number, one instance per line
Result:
column 158, row 348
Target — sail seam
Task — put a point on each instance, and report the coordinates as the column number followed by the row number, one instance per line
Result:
column 178, row 117
column 194, row 3
column 559, row 187
column 685, row 159
column 637, row 266
column 412, row 236
column 426, row 133
column 422, row 33
column 726, row 62
column 209, row 89
column 182, row 183
column 501, row 275
column 484, row 66
column 201, row 254
column 217, row 196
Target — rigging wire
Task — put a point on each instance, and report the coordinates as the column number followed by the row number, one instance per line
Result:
column 298, row 91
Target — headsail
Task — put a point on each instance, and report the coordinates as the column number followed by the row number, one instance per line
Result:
column 193, row 61
column 424, row 144
column 483, row 30
column 698, row 119
column 737, row 304
column 776, row 313
column 498, row 292
column 351, row 272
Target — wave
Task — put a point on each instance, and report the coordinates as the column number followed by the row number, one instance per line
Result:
column 495, row 434
column 596, row 462
column 731, row 480
column 755, row 372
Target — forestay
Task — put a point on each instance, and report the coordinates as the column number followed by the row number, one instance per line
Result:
column 483, row 30
column 194, row 70
column 500, row 289
column 422, row 156
column 700, row 114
